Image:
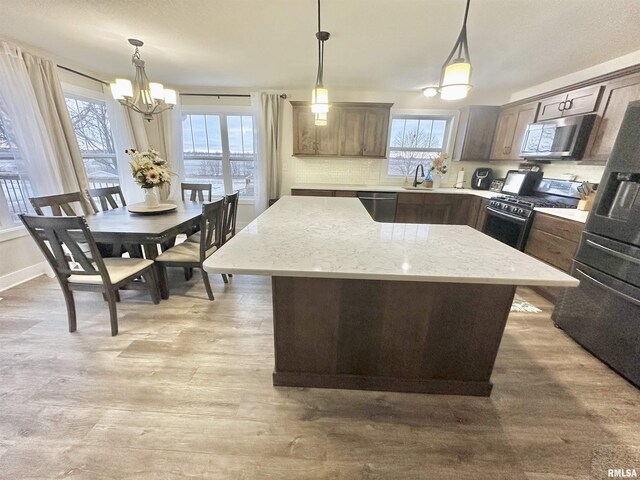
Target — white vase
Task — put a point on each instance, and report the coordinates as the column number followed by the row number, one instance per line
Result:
column 150, row 198
column 436, row 181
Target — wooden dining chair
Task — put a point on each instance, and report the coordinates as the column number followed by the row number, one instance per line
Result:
column 108, row 198
column 192, row 255
column 54, row 235
column 60, row 205
column 228, row 228
column 197, row 191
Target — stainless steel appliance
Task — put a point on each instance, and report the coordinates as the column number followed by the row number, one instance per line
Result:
column 509, row 217
column 496, row 185
column 520, row 182
column 481, row 179
column 561, row 139
column 381, row 206
column 603, row 313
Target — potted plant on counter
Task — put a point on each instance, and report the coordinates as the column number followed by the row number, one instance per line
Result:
column 438, row 168
column 150, row 171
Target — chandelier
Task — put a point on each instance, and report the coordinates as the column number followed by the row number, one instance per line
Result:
column 455, row 77
column 145, row 97
column 320, row 95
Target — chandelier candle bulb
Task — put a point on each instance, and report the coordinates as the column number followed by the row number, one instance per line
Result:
column 115, row 91
column 321, row 119
column 320, row 100
column 455, row 81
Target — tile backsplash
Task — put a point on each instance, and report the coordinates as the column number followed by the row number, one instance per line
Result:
column 360, row 171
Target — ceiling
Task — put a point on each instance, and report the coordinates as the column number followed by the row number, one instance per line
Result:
column 394, row 45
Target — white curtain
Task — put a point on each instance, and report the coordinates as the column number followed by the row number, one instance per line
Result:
column 128, row 131
column 21, row 116
column 171, row 148
column 267, row 115
column 53, row 107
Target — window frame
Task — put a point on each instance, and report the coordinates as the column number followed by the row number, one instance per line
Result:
column 84, row 94
column 223, row 110
column 449, row 137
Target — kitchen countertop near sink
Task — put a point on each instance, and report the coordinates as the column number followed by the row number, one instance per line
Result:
column 566, row 213
column 329, row 237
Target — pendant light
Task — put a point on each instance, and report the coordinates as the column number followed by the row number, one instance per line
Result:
column 143, row 96
column 320, row 95
column 455, row 78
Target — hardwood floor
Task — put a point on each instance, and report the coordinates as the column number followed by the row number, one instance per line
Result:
column 184, row 391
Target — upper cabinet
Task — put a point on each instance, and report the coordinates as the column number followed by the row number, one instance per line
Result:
column 352, row 130
column 512, row 123
column 617, row 95
column 476, row 128
column 577, row 102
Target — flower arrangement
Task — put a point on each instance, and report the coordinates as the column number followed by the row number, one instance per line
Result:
column 439, row 165
column 148, row 168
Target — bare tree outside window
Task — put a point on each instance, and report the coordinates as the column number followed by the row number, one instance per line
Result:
column 93, row 132
column 414, row 141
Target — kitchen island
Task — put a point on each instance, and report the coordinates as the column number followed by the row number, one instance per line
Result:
column 381, row 306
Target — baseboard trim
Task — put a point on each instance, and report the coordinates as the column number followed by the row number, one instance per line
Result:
column 24, row 275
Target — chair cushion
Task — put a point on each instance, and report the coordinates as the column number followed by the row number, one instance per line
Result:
column 185, row 252
column 118, row 268
column 195, row 238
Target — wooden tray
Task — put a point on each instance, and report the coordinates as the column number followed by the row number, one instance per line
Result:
column 142, row 209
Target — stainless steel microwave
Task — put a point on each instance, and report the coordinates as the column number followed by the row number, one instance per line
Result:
column 560, row 139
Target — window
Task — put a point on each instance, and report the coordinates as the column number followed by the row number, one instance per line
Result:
column 93, row 131
column 218, row 149
column 415, row 140
column 14, row 184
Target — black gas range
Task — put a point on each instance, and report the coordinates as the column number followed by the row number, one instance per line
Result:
column 509, row 217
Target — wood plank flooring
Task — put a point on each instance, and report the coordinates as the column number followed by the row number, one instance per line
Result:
column 184, row 391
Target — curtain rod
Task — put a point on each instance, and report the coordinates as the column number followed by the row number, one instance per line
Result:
column 83, row 75
column 242, row 95
column 282, row 95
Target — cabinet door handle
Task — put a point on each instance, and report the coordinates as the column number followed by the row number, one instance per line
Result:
column 561, row 106
column 570, row 102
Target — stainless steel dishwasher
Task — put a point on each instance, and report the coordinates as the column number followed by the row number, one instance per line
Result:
column 381, row 206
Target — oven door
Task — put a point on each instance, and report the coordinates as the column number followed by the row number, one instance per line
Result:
column 510, row 229
column 603, row 315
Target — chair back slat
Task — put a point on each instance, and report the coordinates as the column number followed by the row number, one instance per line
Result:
column 59, row 204
column 59, row 240
column 211, row 227
column 107, row 196
column 197, row 191
column 230, row 216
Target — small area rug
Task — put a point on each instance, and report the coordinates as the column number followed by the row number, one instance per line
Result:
column 521, row 305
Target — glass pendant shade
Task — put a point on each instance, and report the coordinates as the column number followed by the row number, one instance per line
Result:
column 170, row 96
column 157, row 90
column 115, row 92
column 124, row 86
column 455, row 80
column 320, row 100
column 320, row 119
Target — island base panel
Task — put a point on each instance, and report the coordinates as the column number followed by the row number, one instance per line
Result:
column 387, row 335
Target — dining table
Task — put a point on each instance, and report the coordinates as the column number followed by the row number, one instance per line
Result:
column 119, row 226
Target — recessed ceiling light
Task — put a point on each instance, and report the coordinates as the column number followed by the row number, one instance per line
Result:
column 430, row 92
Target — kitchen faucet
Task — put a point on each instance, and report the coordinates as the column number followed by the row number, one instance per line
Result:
column 415, row 178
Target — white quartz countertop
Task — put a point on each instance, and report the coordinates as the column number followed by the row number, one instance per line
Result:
column 568, row 213
column 336, row 238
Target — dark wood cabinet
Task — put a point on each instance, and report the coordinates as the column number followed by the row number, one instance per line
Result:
column 476, row 129
column 352, row 130
column 512, row 123
column 309, row 192
column 437, row 208
column 554, row 241
column 577, row 102
column 482, row 213
column 615, row 99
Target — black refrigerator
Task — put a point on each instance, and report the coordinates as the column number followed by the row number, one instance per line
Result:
column 603, row 313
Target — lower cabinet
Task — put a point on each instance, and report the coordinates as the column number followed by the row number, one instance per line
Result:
column 437, row 208
column 554, row 241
